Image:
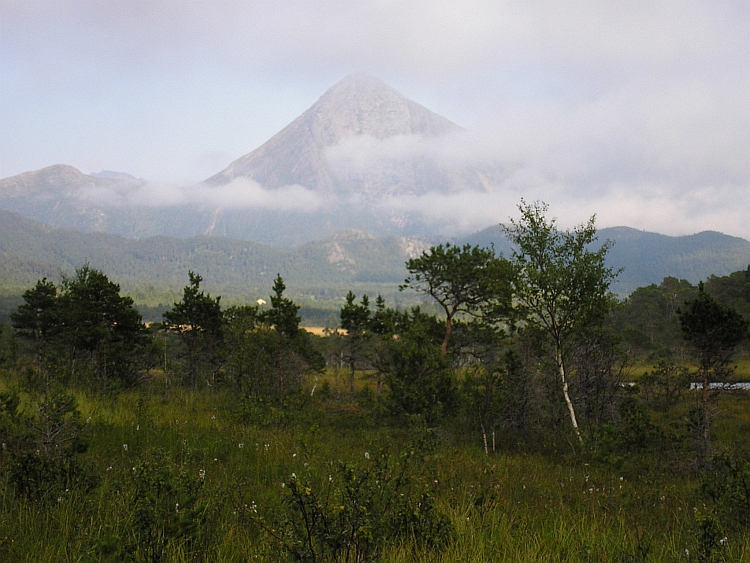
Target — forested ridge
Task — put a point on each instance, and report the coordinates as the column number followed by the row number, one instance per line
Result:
column 534, row 416
column 31, row 250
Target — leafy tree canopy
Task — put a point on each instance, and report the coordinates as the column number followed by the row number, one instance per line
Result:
column 561, row 286
column 469, row 280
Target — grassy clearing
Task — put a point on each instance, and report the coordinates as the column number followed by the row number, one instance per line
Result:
column 504, row 507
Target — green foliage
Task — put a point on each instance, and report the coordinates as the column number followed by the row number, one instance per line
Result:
column 484, row 399
column 36, row 317
column 633, row 432
column 418, row 375
column 290, row 350
column 713, row 331
column 462, row 280
column 648, row 320
column 597, row 381
column 45, row 448
column 282, row 315
column 732, row 291
column 727, row 485
column 249, row 347
column 709, row 540
column 664, row 386
column 165, row 504
column 198, row 321
column 87, row 321
column 560, row 286
column 357, row 512
column 355, row 320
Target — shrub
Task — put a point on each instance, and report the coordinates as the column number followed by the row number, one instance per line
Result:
column 352, row 517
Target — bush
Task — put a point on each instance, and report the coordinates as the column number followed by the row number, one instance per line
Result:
column 727, row 484
column 352, row 517
column 37, row 477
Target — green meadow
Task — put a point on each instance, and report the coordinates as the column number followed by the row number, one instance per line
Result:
column 544, row 501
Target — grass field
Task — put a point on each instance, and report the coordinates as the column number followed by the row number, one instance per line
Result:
column 513, row 505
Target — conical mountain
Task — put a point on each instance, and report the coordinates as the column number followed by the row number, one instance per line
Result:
column 358, row 107
column 363, row 149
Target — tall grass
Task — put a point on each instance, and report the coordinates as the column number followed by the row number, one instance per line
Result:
column 514, row 507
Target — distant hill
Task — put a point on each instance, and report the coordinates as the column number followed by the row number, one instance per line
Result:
column 648, row 258
column 30, row 250
column 114, row 174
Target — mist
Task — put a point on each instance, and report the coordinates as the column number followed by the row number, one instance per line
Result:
column 239, row 194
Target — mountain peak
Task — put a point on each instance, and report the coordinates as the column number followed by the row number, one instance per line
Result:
column 359, row 104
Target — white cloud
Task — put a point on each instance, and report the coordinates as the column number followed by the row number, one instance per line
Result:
column 239, row 194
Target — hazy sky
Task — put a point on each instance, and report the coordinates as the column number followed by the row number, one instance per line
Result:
column 638, row 111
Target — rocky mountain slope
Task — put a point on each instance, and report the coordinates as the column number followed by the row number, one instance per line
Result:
column 308, row 151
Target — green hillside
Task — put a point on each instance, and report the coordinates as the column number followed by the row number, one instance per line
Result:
column 647, row 258
column 318, row 274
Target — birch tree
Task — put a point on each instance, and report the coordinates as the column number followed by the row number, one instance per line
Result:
column 561, row 284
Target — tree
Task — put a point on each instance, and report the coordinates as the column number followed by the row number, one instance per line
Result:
column 293, row 354
column 198, row 320
column 355, row 320
column 86, row 318
column 95, row 319
column 713, row 332
column 385, row 323
column 469, row 280
column 418, row 375
column 36, row 318
column 246, row 354
column 561, row 285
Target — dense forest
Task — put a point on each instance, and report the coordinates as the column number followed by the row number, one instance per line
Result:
column 523, row 413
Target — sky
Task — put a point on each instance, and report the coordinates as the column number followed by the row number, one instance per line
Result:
column 636, row 111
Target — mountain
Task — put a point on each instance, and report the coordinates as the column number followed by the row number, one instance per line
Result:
column 354, row 151
column 113, row 174
column 349, row 259
column 647, row 258
column 361, row 144
column 359, row 106
column 107, row 202
column 30, row 250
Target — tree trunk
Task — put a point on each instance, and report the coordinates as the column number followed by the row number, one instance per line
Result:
column 705, row 430
column 564, row 379
column 448, row 330
column 484, row 436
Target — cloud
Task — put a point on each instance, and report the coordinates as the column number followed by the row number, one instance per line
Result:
column 647, row 207
column 360, row 153
column 239, row 194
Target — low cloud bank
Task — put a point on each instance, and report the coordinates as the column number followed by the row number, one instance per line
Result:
column 238, row 194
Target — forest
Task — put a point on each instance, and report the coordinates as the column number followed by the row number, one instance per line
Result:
column 522, row 413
